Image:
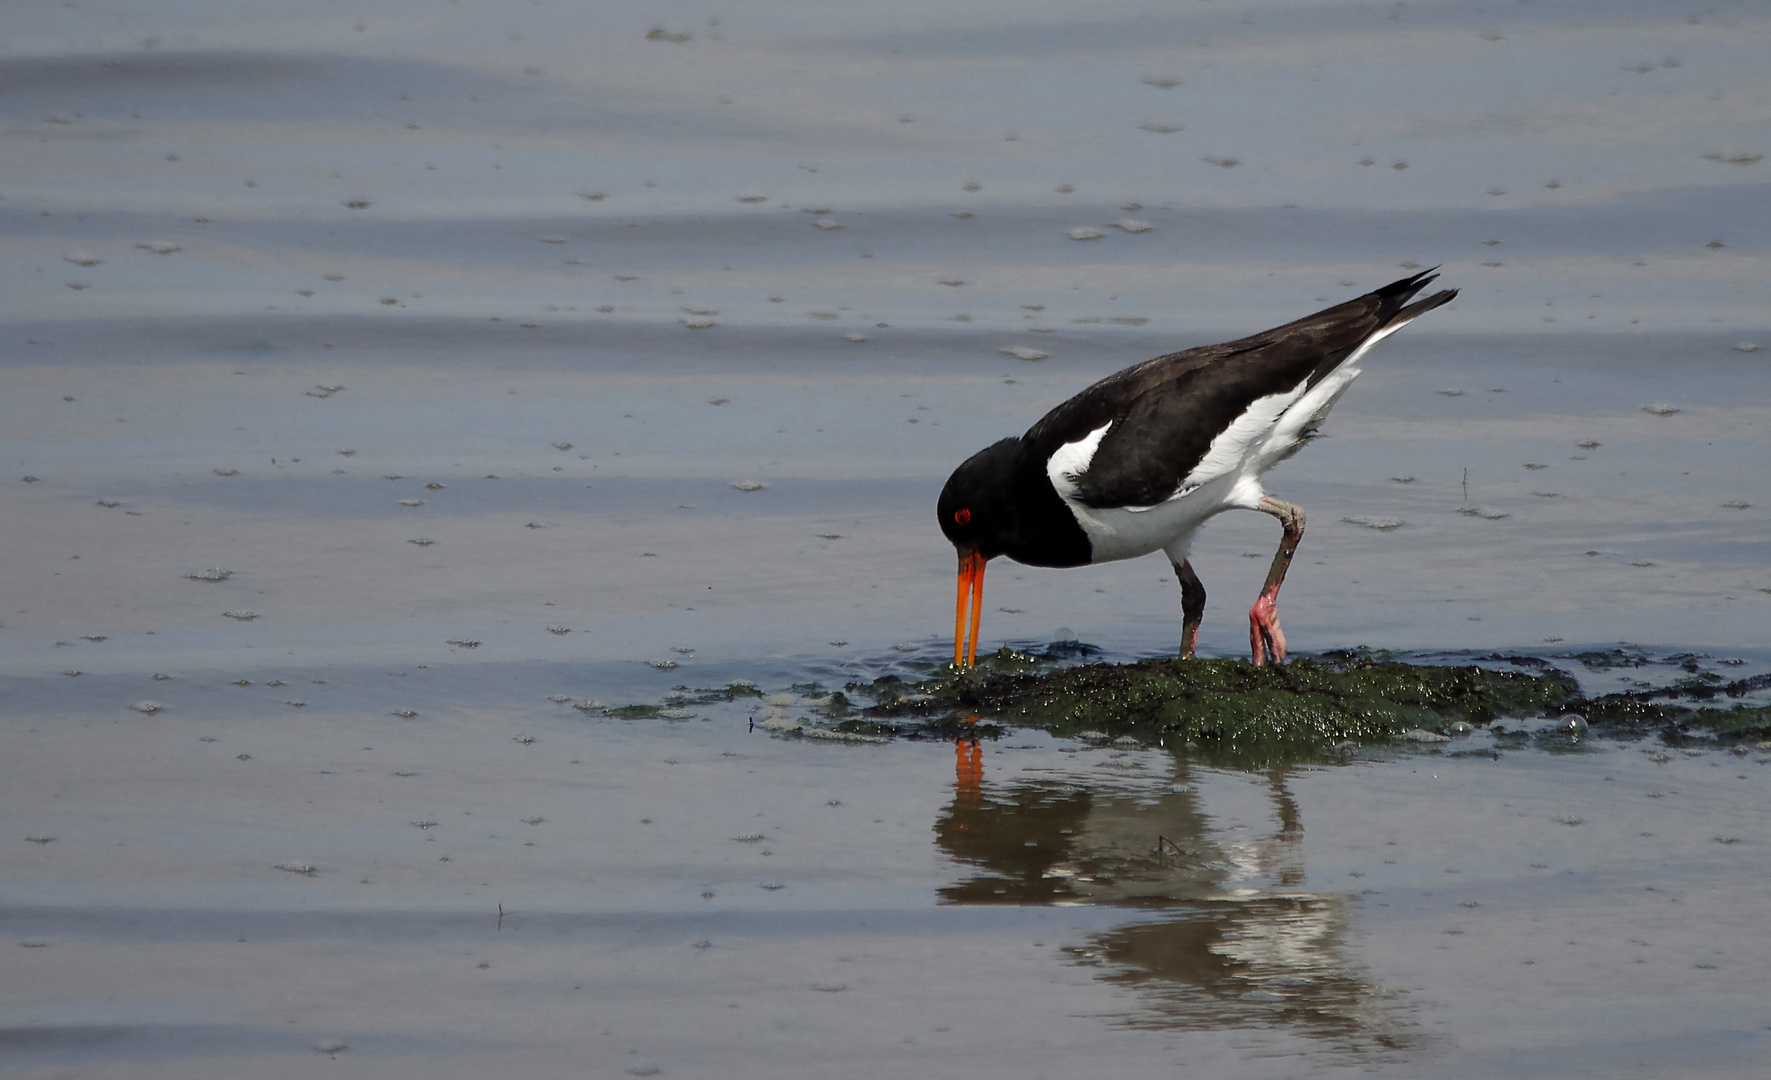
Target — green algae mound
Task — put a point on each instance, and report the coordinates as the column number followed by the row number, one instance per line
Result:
column 1314, row 707
column 1308, row 706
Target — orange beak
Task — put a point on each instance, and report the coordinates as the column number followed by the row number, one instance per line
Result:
column 971, row 594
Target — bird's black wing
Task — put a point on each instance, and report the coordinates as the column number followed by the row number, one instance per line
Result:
column 1166, row 412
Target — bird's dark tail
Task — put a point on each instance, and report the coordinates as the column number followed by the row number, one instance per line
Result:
column 1395, row 310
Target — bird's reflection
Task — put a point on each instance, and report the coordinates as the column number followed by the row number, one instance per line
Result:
column 1231, row 938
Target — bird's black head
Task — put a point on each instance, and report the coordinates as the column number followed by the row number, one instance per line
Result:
column 977, row 509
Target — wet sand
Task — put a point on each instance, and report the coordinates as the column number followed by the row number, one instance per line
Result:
column 468, row 446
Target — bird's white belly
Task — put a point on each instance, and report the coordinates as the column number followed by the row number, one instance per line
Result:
column 1125, row 533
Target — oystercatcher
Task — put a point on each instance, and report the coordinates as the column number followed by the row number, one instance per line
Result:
column 1138, row 461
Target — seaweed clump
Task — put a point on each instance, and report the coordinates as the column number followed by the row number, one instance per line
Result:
column 1308, row 706
column 1656, row 710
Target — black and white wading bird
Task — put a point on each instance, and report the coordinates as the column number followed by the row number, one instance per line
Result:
column 1138, row 461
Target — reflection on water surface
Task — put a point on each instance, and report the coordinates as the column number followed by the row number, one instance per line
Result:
column 1232, row 937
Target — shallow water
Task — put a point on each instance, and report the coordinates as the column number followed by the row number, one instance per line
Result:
column 185, row 284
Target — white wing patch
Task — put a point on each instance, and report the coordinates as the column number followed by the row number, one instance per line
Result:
column 1241, row 441
column 1071, row 461
column 1272, row 429
column 1313, row 409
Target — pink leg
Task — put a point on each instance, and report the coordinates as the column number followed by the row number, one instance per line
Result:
column 1265, row 638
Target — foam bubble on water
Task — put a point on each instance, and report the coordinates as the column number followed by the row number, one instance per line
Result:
column 82, row 258
column 214, row 573
column 240, row 616
column 147, row 707
column 1159, row 127
column 162, row 247
column 1487, row 513
column 1133, row 225
column 753, row 197
column 1084, row 232
column 1746, row 346
column 411, row 502
column 1660, row 408
column 1571, row 724
column 697, row 322
column 826, row 224
column 749, row 485
column 662, row 665
column 1022, row 352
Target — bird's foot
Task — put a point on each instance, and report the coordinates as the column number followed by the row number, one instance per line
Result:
column 1266, row 640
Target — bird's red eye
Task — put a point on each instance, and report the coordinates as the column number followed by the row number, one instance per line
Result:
column 962, row 517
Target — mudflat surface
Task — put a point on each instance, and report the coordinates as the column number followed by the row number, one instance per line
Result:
column 376, row 376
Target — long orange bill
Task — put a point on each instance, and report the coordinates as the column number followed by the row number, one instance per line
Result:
column 971, row 595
